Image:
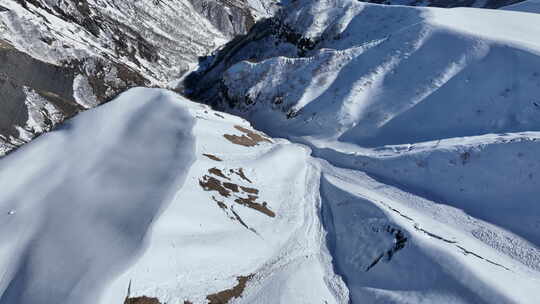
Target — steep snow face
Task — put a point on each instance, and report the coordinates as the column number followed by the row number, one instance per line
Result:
column 79, row 54
column 247, row 213
column 491, row 177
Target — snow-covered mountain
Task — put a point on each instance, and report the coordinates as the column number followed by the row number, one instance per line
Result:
column 396, row 162
column 61, row 57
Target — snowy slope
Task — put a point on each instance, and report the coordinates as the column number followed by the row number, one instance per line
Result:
column 394, row 247
column 158, row 39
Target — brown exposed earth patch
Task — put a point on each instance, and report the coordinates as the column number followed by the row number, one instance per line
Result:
column 209, row 183
column 249, row 139
column 142, row 300
column 213, row 157
column 5, row 45
column 223, row 297
column 217, row 172
column 245, row 196
column 251, row 203
column 231, row 186
column 250, row 190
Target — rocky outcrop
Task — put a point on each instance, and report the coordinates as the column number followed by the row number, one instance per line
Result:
column 231, row 17
column 23, row 80
column 35, row 95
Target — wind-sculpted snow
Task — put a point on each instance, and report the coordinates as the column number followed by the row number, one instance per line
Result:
column 394, row 247
column 378, row 257
column 77, row 204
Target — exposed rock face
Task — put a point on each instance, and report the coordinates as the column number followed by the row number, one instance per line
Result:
column 76, row 55
column 232, row 17
column 36, row 95
column 23, row 78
